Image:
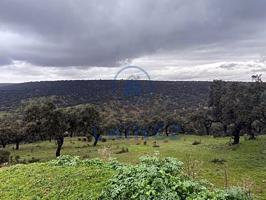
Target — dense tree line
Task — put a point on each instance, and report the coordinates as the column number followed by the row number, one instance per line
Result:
column 42, row 120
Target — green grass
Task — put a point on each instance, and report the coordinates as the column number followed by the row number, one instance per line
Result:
column 245, row 163
column 40, row 181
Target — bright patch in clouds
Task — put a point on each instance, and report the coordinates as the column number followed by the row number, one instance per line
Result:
column 158, row 70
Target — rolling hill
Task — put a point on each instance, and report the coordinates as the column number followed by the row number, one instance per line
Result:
column 66, row 93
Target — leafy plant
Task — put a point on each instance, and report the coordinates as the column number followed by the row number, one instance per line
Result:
column 66, row 160
column 155, row 178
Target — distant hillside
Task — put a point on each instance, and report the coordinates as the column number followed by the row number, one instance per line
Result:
column 5, row 84
column 184, row 93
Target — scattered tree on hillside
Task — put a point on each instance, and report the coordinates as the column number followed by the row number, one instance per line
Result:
column 12, row 130
column 237, row 105
column 5, row 132
column 43, row 120
column 203, row 118
column 58, row 126
column 89, row 121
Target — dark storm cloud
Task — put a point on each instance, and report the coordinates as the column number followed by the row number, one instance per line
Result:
column 102, row 33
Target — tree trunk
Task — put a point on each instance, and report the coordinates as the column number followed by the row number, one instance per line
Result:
column 17, row 145
column 251, row 133
column 156, row 130
column 208, row 125
column 207, row 128
column 225, row 129
column 236, row 138
column 96, row 139
column 42, row 138
column 236, row 134
column 166, row 130
column 71, row 134
column 252, row 136
column 3, row 143
column 126, row 132
column 60, row 142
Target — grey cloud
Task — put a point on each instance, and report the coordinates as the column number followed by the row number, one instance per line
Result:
column 4, row 60
column 102, row 33
column 229, row 66
column 262, row 70
column 252, row 66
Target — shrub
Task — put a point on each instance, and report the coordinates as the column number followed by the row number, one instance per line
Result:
column 4, row 156
column 237, row 193
column 33, row 160
column 66, row 160
column 123, row 150
column 218, row 161
column 155, row 178
column 196, row 142
column 155, row 144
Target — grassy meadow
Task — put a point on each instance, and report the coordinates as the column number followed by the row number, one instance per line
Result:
column 212, row 159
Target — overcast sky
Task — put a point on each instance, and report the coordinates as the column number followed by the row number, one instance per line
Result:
column 170, row 39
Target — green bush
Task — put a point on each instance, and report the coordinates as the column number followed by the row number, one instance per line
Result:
column 196, row 142
column 154, row 179
column 67, row 160
column 4, row 156
column 236, row 193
